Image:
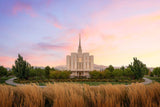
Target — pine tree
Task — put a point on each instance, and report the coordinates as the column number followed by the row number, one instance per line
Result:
column 21, row 68
column 138, row 68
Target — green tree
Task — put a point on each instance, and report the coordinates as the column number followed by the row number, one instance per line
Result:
column 3, row 71
column 64, row 74
column 107, row 74
column 118, row 73
column 95, row 74
column 60, row 74
column 151, row 74
column 53, row 69
column 47, row 71
column 146, row 72
column 55, row 74
column 21, row 68
column 128, row 73
column 138, row 68
column 110, row 68
column 32, row 72
column 122, row 68
column 156, row 71
column 10, row 72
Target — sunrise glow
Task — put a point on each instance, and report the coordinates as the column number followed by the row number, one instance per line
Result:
column 114, row 31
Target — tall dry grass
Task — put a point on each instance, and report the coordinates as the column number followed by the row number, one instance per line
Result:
column 76, row 95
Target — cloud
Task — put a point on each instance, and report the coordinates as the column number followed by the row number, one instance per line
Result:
column 48, row 46
column 54, row 21
column 23, row 7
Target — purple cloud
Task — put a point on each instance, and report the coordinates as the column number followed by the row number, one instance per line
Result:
column 48, row 46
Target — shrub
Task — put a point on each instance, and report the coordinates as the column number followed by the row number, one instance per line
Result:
column 156, row 71
column 151, row 74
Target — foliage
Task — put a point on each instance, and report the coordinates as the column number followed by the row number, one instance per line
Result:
column 156, row 71
column 118, row 73
column 138, row 68
column 110, row 68
column 52, row 69
column 47, row 71
column 36, row 73
column 128, row 73
column 151, row 74
column 3, row 71
column 10, row 72
column 60, row 74
column 95, row 74
column 122, row 68
column 21, row 68
column 146, row 72
column 107, row 74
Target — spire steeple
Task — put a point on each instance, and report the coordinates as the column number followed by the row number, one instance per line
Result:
column 79, row 48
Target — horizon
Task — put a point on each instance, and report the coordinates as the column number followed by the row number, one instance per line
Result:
column 113, row 31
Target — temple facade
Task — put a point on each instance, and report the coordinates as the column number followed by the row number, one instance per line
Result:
column 80, row 64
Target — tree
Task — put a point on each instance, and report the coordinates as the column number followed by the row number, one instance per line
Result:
column 122, row 68
column 151, row 74
column 117, row 73
column 60, row 74
column 95, row 74
column 3, row 71
column 110, row 68
column 128, row 73
column 47, row 71
column 53, row 69
column 138, row 68
column 32, row 72
column 156, row 71
column 10, row 72
column 146, row 72
column 107, row 74
column 21, row 68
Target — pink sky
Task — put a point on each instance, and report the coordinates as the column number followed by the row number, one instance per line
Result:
column 114, row 31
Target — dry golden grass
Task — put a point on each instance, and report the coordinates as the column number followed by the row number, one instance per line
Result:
column 77, row 95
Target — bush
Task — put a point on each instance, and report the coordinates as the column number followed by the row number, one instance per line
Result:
column 60, row 74
column 95, row 74
column 151, row 74
column 156, row 71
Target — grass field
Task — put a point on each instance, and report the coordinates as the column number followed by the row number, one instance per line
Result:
column 80, row 95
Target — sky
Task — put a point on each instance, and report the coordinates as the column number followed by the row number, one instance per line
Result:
column 114, row 31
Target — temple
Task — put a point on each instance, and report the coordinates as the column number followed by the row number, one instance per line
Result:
column 80, row 64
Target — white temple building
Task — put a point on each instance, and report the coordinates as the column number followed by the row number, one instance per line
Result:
column 80, row 64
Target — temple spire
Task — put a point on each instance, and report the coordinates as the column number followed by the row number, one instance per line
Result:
column 79, row 48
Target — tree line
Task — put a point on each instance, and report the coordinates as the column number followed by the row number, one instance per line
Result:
column 23, row 70
column 135, row 70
